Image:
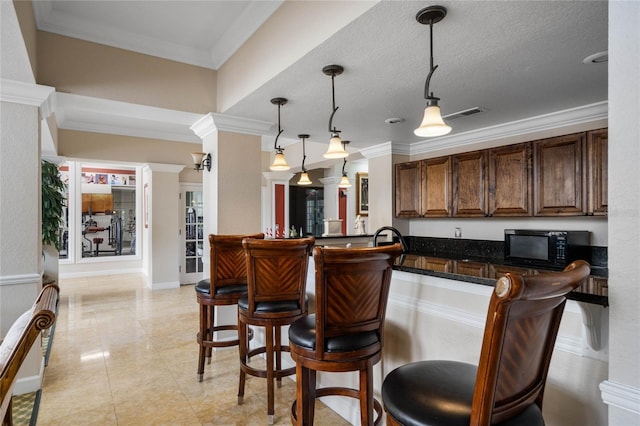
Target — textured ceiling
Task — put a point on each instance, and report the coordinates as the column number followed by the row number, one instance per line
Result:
column 514, row 59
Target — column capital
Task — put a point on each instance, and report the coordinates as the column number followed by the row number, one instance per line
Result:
column 212, row 122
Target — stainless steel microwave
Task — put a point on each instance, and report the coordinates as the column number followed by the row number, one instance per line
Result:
column 551, row 249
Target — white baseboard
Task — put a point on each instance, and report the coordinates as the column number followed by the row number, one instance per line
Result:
column 30, row 383
column 621, row 396
column 20, row 279
column 165, row 285
column 96, row 273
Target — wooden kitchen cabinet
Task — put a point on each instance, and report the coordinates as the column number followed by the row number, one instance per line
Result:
column 475, row 269
column 509, row 188
column 597, row 178
column 469, row 184
column 559, row 176
column 437, row 264
column 437, row 187
column 408, row 189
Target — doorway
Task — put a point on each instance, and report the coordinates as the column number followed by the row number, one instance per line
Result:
column 192, row 232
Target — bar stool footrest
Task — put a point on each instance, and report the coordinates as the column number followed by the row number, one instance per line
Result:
column 339, row 391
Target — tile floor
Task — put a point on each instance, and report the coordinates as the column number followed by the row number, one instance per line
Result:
column 125, row 355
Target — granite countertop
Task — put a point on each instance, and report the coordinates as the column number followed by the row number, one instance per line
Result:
column 486, row 271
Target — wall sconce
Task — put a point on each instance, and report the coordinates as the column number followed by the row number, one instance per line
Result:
column 279, row 162
column 336, row 150
column 432, row 122
column 201, row 161
column 304, row 176
column 344, row 182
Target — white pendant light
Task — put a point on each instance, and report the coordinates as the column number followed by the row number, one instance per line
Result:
column 304, row 179
column 336, row 149
column 432, row 122
column 304, row 176
column 279, row 162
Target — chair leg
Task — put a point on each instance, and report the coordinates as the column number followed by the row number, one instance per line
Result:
column 242, row 350
column 366, row 396
column 270, row 375
column 309, row 396
column 202, row 336
column 277, row 346
column 210, row 325
column 8, row 416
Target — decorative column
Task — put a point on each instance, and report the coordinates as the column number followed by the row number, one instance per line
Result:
column 275, row 197
column 161, row 206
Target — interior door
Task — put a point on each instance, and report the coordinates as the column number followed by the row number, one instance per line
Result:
column 192, row 241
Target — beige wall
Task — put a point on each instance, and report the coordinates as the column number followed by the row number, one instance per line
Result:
column 24, row 10
column 90, row 69
column 239, row 177
column 99, row 146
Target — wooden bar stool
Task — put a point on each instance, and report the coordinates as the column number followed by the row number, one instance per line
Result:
column 227, row 283
column 276, row 281
column 347, row 331
column 507, row 386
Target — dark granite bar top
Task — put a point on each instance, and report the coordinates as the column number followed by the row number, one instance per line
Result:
column 482, row 262
column 484, row 272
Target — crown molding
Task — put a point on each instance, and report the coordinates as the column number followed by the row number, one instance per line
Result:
column 165, row 168
column 573, row 116
column 89, row 114
column 386, row 148
column 212, row 122
column 19, row 92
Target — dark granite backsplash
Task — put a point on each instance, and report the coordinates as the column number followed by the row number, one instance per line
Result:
column 491, row 251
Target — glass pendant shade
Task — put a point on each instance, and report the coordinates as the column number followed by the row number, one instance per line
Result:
column 344, row 182
column 197, row 157
column 432, row 123
column 336, row 149
column 304, row 179
column 279, row 162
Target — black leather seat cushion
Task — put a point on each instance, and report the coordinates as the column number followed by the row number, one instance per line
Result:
column 276, row 306
column 303, row 333
column 204, row 287
column 439, row 393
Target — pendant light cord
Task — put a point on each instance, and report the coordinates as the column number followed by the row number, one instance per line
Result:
column 335, row 108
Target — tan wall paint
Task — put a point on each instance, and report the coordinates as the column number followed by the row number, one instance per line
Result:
column 24, row 11
column 262, row 57
column 90, row 69
column 99, row 146
column 239, row 177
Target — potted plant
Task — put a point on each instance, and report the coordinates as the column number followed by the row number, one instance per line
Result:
column 53, row 202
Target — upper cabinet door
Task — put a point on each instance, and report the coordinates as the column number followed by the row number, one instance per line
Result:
column 437, row 191
column 510, row 192
column 597, row 146
column 408, row 189
column 469, row 183
column 559, row 176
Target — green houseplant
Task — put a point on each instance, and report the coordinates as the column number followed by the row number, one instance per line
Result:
column 52, row 204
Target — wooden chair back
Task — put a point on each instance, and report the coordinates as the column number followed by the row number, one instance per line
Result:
column 227, row 263
column 522, row 324
column 277, row 271
column 18, row 342
column 352, row 288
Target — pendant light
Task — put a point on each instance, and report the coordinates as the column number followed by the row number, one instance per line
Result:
column 336, row 149
column 304, row 176
column 279, row 162
column 344, row 182
column 432, row 122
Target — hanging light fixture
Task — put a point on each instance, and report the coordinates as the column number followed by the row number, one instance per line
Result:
column 336, row 149
column 344, row 182
column 279, row 162
column 304, row 176
column 432, row 122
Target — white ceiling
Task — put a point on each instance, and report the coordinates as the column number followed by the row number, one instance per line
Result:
column 514, row 59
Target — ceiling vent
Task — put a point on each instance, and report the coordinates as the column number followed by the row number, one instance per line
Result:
column 464, row 113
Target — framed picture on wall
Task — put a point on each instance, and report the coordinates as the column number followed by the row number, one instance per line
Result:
column 362, row 194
